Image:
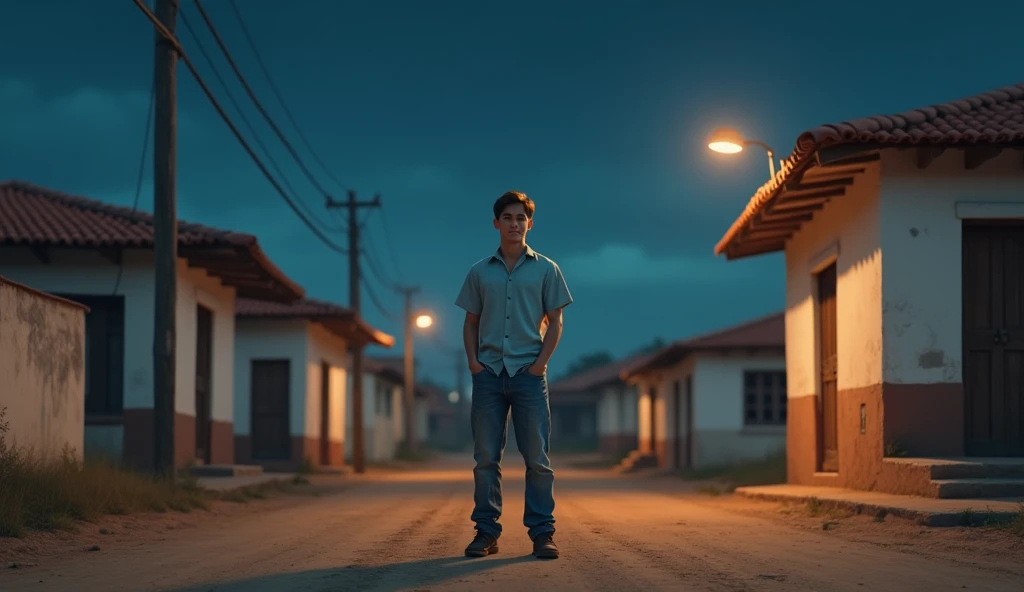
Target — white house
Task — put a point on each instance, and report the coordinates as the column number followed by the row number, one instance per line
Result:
column 713, row 400
column 292, row 363
column 904, row 241
column 383, row 388
column 596, row 409
column 42, row 370
column 101, row 256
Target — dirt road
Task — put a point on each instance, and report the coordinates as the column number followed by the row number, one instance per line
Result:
column 406, row 531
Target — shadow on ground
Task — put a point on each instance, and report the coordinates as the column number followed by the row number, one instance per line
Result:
column 359, row 577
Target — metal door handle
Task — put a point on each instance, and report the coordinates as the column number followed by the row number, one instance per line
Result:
column 997, row 336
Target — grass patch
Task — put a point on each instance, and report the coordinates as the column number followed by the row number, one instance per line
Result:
column 55, row 494
column 767, row 471
column 1016, row 525
column 244, row 495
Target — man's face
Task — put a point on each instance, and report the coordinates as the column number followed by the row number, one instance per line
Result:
column 513, row 223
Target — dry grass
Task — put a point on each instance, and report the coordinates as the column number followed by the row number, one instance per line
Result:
column 768, row 471
column 55, row 494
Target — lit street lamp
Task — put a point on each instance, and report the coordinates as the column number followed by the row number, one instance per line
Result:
column 725, row 140
column 419, row 321
column 424, row 321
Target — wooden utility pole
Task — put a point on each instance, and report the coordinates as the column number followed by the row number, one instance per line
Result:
column 358, row 459
column 165, row 239
column 410, row 366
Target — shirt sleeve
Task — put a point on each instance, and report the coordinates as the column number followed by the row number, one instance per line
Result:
column 556, row 292
column 470, row 299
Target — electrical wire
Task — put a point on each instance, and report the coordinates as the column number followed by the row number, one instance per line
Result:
column 377, row 303
column 256, row 101
column 166, row 34
column 280, row 97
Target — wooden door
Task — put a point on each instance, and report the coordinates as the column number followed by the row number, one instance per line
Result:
column 271, row 388
column 677, row 408
column 325, row 413
column 993, row 339
column 827, row 344
column 204, row 382
column 653, row 413
column 689, row 422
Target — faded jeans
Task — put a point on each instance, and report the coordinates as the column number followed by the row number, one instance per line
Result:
column 527, row 397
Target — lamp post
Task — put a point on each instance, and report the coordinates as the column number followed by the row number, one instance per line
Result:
column 725, row 140
column 417, row 321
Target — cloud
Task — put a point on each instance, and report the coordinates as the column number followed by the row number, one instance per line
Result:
column 619, row 264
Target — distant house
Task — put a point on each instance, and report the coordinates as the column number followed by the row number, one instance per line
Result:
column 101, row 256
column 292, row 364
column 903, row 237
column 42, row 370
column 712, row 400
column 383, row 388
column 440, row 416
column 595, row 410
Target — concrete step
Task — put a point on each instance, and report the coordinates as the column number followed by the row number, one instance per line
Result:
column 978, row 488
column 225, row 470
column 978, row 468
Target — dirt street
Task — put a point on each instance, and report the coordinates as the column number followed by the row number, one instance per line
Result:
column 406, row 530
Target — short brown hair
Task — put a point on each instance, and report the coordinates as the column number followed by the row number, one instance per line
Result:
column 514, row 197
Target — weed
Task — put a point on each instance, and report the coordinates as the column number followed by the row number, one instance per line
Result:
column 814, row 506
column 767, row 471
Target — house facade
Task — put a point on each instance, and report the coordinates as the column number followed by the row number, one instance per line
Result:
column 101, row 256
column 713, row 400
column 383, row 388
column 42, row 368
column 292, row 365
column 902, row 237
column 596, row 410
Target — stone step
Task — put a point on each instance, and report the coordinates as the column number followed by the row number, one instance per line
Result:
column 977, row 488
column 980, row 468
column 225, row 470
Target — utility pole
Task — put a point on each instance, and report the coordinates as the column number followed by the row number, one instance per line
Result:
column 410, row 366
column 165, row 239
column 358, row 458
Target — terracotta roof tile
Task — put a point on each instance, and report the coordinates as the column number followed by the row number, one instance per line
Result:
column 336, row 318
column 992, row 118
column 763, row 332
column 596, row 377
column 35, row 216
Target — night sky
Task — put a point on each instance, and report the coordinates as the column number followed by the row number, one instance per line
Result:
column 597, row 110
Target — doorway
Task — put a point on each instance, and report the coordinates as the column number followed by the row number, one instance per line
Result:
column 204, row 382
column 828, row 417
column 271, row 387
column 325, row 414
column 689, row 421
column 677, row 424
column 652, row 396
column 993, row 338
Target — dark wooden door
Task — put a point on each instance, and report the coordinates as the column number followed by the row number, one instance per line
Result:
column 993, row 339
column 271, row 388
column 689, row 421
column 677, row 408
column 204, row 381
column 653, row 413
column 325, row 413
column 827, row 340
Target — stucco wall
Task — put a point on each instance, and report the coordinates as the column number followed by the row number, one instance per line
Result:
column 42, row 370
column 378, row 428
column 720, row 436
column 270, row 340
column 325, row 346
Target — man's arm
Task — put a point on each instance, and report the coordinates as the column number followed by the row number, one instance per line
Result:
column 471, row 340
column 554, row 333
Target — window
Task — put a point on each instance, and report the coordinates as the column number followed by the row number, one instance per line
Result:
column 764, row 398
column 104, row 353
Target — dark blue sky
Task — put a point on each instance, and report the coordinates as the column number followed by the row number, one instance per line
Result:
column 598, row 110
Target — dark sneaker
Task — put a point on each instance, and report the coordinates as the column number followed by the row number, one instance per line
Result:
column 482, row 546
column 544, row 546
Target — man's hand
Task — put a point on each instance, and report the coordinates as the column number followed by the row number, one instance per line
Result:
column 536, row 370
column 475, row 367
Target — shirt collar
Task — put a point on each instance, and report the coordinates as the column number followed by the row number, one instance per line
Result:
column 528, row 252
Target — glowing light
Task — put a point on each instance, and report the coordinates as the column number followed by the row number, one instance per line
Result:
column 725, row 140
column 453, row 397
column 424, row 320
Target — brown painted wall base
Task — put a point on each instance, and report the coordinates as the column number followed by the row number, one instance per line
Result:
column 139, row 443
column 301, row 448
column 919, row 419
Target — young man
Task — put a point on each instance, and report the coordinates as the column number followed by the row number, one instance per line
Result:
column 507, row 297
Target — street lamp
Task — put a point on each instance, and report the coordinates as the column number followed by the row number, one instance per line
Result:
column 420, row 320
column 725, row 140
column 424, row 321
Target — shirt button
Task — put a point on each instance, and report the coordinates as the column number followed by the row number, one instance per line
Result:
column 506, row 337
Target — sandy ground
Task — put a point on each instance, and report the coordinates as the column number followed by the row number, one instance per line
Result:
column 405, row 530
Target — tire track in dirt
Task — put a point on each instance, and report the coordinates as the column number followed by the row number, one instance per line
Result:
column 682, row 564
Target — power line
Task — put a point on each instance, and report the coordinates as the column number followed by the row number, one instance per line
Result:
column 277, row 93
column 377, row 303
column 245, row 120
column 256, row 101
column 220, row 111
column 387, row 240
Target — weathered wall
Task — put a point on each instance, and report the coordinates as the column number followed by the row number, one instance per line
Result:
column 42, row 371
column 325, row 346
column 270, row 340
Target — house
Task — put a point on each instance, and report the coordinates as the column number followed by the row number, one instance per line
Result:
column 383, row 388
column 713, row 400
column 596, row 410
column 102, row 256
column 42, row 368
column 440, row 424
column 902, row 237
column 292, row 363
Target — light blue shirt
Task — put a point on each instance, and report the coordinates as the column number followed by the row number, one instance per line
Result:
column 512, row 306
